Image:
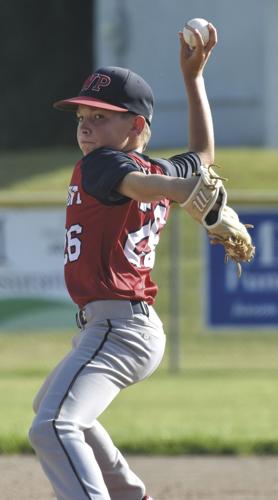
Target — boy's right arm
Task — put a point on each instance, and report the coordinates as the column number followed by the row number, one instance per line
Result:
column 200, row 124
column 201, row 135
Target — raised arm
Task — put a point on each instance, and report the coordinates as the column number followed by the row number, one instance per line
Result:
column 201, row 135
column 192, row 63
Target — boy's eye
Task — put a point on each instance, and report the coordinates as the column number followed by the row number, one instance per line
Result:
column 96, row 117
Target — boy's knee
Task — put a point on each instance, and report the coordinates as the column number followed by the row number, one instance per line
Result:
column 45, row 434
column 39, row 433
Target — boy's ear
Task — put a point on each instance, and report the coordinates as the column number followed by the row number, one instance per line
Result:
column 138, row 124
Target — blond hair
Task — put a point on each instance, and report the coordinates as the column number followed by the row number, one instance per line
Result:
column 144, row 136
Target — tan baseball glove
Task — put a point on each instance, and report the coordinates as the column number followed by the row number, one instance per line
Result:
column 207, row 204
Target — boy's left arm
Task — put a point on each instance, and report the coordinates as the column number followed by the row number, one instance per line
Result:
column 204, row 198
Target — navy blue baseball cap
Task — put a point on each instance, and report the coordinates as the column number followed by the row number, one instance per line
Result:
column 116, row 89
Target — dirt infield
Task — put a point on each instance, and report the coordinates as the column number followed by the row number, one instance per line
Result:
column 174, row 478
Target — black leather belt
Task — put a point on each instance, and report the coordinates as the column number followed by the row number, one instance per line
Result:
column 138, row 307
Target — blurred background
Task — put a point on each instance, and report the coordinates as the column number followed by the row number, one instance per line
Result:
column 222, row 332
column 46, row 54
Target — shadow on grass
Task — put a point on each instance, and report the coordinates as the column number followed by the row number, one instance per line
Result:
column 202, row 446
column 199, row 446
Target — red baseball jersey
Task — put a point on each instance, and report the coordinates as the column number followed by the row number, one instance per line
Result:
column 111, row 239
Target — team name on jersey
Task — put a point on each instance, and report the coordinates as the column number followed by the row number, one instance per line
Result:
column 74, row 197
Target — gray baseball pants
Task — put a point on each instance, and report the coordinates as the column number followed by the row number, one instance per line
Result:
column 115, row 349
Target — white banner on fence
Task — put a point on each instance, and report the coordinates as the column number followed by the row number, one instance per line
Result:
column 32, row 253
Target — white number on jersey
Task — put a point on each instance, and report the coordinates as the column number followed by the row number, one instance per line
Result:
column 140, row 245
column 72, row 243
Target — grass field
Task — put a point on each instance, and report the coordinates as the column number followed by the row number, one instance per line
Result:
column 224, row 398
column 223, row 401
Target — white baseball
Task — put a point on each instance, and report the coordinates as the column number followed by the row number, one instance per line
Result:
column 202, row 26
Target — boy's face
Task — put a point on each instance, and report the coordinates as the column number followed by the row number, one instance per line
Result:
column 103, row 128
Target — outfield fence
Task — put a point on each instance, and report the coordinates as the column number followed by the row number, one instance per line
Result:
column 38, row 276
column 250, row 200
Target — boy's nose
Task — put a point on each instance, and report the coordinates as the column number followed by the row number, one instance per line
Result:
column 85, row 130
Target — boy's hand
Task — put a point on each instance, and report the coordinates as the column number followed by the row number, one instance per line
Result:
column 192, row 62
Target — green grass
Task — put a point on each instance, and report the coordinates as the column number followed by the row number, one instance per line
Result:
column 30, row 168
column 224, row 400
column 200, row 411
column 50, row 169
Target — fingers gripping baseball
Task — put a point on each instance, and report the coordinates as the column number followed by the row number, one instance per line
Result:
column 207, row 204
column 193, row 57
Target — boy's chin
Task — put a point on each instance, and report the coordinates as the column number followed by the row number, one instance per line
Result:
column 88, row 149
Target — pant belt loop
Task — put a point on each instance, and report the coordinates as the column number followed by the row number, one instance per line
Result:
column 77, row 319
column 81, row 319
column 145, row 308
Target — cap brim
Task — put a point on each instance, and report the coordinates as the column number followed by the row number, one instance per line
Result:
column 73, row 103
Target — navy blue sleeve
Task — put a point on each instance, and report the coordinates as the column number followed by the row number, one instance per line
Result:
column 181, row 165
column 102, row 170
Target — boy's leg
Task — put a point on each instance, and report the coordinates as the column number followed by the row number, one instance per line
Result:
column 85, row 384
column 116, row 472
column 119, row 478
column 76, row 395
column 44, row 387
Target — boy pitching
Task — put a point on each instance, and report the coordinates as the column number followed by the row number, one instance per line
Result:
column 118, row 203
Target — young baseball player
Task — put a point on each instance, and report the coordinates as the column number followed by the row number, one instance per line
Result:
column 118, row 203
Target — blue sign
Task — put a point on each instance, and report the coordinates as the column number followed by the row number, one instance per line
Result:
column 252, row 299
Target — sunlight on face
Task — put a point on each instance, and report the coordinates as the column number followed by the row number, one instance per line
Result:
column 103, row 128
